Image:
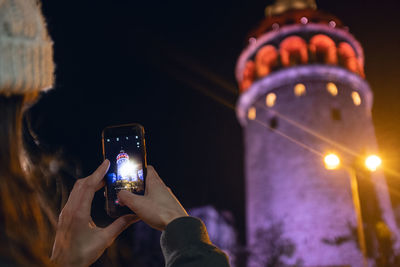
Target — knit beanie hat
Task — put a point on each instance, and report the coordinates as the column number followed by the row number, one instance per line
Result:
column 26, row 50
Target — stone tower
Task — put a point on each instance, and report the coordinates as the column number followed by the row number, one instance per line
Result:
column 303, row 94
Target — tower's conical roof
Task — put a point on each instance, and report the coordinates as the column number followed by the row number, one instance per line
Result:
column 282, row 6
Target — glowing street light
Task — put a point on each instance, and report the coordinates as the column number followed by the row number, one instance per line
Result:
column 372, row 162
column 331, row 161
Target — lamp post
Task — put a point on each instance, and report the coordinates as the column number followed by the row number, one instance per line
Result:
column 357, row 207
column 372, row 162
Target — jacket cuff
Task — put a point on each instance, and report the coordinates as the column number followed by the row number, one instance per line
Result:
column 182, row 233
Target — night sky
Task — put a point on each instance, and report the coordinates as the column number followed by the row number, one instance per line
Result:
column 157, row 63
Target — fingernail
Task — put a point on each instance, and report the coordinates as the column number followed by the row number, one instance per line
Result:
column 105, row 163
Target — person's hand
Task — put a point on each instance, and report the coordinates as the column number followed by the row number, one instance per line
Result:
column 79, row 242
column 158, row 207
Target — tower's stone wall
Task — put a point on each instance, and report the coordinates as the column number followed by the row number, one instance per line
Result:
column 288, row 190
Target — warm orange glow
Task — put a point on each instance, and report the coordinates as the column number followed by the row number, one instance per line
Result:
column 248, row 76
column 270, row 100
column 299, row 89
column 293, row 50
column 347, row 57
column 356, row 98
column 332, row 89
column 252, row 113
column 331, row 161
column 323, row 48
column 372, row 162
column 266, row 58
column 345, row 50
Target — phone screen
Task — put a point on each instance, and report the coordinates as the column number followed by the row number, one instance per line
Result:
column 124, row 147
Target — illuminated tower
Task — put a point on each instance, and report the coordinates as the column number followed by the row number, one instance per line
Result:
column 303, row 94
column 122, row 159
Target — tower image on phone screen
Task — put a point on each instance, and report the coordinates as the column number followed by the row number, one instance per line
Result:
column 126, row 168
column 124, row 148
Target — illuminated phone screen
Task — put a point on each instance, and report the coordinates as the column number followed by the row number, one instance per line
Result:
column 126, row 154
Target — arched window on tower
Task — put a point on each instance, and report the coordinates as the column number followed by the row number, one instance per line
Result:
column 270, row 100
column 293, row 51
column 266, row 59
column 299, row 89
column 356, row 98
column 332, row 89
column 252, row 113
column 323, row 49
column 248, row 76
column 273, row 123
column 336, row 115
column 348, row 58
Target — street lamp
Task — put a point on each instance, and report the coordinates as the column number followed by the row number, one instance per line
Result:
column 372, row 162
column 331, row 161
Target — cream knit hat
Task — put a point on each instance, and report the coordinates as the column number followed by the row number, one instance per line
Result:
column 26, row 50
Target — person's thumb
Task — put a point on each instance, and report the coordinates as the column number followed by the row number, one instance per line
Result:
column 119, row 225
column 131, row 200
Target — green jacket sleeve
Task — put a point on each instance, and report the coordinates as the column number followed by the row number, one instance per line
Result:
column 185, row 243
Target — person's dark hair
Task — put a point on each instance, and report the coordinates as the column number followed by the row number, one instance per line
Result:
column 25, row 235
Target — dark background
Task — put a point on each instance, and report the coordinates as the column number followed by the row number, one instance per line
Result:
column 170, row 67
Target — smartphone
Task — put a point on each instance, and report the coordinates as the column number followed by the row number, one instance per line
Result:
column 124, row 146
